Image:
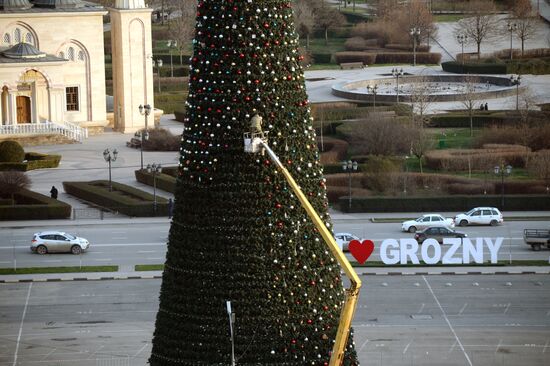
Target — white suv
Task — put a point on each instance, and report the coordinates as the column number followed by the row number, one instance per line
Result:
column 480, row 216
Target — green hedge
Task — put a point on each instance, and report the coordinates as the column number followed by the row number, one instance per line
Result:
column 34, row 206
column 164, row 181
column 33, row 161
column 474, row 68
column 535, row 66
column 128, row 200
column 458, row 203
column 322, row 58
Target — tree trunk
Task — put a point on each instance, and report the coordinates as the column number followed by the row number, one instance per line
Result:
column 478, row 50
column 307, row 41
column 471, row 122
column 326, row 36
column 522, row 46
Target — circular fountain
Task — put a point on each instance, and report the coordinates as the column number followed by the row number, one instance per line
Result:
column 441, row 88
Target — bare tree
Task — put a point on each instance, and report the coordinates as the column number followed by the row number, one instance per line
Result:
column 526, row 20
column 304, row 19
column 527, row 102
column 182, row 28
column 469, row 100
column 420, row 144
column 539, row 166
column 421, row 18
column 379, row 135
column 481, row 25
column 327, row 17
column 12, row 182
column 420, row 101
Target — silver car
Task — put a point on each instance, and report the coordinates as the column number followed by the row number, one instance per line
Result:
column 58, row 242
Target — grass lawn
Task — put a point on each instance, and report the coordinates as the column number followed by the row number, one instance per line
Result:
column 32, row 270
column 149, row 267
column 317, row 45
column 443, row 18
column 454, row 138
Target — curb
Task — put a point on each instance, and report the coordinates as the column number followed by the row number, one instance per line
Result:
column 387, row 273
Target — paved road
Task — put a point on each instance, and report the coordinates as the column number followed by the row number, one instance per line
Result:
column 145, row 243
column 401, row 320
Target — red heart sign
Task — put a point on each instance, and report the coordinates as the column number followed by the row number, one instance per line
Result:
column 361, row 251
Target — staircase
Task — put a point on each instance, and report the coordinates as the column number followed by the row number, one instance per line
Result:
column 67, row 129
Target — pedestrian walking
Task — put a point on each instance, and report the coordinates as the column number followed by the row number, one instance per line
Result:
column 486, row 106
column 53, row 192
column 170, row 207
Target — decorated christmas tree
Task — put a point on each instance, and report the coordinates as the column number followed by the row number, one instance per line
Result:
column 239, row 234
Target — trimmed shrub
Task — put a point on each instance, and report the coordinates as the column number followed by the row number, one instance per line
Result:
column 21, row 167
column 463, row 120
column 321, row 58
column 408, row 47
column 41, row 161
column 407, row 57
column 355, row 56
column 448, row 203
column 11, row 152
column 334, row 150
column 179, row 116
column 477, row 159
column 123, row 198
column 34, row 206
column 163, row 181
column 161, row 139
column 474, row 68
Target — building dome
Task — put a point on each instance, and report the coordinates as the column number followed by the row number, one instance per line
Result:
column 23, row 51
column 58, row 4
column 15, row 4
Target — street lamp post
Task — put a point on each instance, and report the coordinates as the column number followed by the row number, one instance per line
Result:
column 158, row 65
column 516, row 80
column 350, row 167
column 144, row 110
column 511, row 28
column 462, row 38
column 503, row 171
column 396, row 74
column 374, row 90
column 171, row 45
column 154, row 169
column 109, row 157
column 414, row 32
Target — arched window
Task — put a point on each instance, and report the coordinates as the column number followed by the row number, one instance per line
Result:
column 7, row 38
column 17, row 35
column 70, row 53
column 61, row 54
column 29, row 38
column 80, row 56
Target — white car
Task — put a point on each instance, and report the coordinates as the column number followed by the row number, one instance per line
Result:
column 58, row 242
column 425, row 221
column 343, row 239
column 480, row 216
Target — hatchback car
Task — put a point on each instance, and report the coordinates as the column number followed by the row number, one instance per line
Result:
column 480, row 216
column 58, row 242
column 428, row 220
column 437, row 233
column 343, row 239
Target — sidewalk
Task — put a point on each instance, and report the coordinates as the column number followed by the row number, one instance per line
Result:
column 361, row 271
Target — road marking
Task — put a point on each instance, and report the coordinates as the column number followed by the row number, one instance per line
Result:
column 452, row 347
column 363, row 345
column 21, row 325
column 462, row 309
column 447, row 320
column 5, row 262
column 103, row 259
column 407, row 347
column 46, row 356
column 154, row 259
column 91, row 354
column 498, row 345
column 146, row 251
column 421, row 308
column 141, row 349
column 53, row 260
column 119, row 237
column 545, row 347
column 507, row 307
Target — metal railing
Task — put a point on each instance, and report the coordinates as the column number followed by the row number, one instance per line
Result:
column 67, row 129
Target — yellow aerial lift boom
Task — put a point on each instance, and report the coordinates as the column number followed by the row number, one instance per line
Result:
column 256, row 141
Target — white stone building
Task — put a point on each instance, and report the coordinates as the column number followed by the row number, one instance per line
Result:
column 52, row 64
